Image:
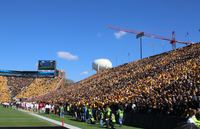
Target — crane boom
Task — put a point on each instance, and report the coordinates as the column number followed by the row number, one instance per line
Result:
column 172, row 41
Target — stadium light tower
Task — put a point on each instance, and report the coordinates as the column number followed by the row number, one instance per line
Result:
column 140, row 35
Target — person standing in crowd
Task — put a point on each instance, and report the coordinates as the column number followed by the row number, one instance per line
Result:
column 68, row 109
column 120, row 114
column 198, row 114
column 52, row 108
column 18, row 104
column 47, row 108
column 92, row 120
column 36, row 107
column 108, row 115
column 192, row 118
column 75, row 111
column 82, row 113
column 90, row 113
column 85, row 113
column 102, row 117
column 98, row 111
column 61, row 111
column 40, row 107
column 112, row 121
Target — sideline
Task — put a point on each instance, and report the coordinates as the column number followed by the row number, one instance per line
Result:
column 51, row 120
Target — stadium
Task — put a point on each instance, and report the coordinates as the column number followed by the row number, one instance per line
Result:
column 162, row 89
column 98, row 64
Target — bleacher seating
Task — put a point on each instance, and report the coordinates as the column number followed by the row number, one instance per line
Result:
column 17, row 84
column 167, row 83
column 4, row 92
column 39, row 86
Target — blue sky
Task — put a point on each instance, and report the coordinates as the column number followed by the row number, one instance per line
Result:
column 31, row 30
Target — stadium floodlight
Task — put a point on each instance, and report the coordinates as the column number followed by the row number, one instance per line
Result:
column 140, row 35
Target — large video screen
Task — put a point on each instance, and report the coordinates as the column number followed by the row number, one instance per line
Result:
column 46, row 65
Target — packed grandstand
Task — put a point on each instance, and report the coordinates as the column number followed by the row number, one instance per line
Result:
column 14, row 87
column 163, row 86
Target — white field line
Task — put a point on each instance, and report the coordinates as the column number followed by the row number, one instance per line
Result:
column 51, row 120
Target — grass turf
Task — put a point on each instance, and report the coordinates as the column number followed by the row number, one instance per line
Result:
column 83, row 125
column 14, row 118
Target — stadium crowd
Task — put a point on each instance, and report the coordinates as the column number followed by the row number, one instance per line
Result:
column 4, row 94
column 12, row 88
column 17, row 84
column 39, row 86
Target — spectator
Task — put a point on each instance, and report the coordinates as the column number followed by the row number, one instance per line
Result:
column 192, row 118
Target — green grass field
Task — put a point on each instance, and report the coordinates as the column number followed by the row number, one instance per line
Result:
column 83, row 125
column 13, row 118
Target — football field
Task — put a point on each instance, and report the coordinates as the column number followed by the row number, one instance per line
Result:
column 14, row 118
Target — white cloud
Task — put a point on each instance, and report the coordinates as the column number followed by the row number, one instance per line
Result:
column 67, row 56
column 119, row 34
column 84, row 73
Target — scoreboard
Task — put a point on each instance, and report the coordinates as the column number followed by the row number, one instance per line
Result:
column 46, row 65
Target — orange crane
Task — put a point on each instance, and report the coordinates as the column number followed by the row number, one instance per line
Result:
column 140, row 34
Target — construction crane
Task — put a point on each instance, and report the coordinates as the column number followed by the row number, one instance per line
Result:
column 140, row 34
